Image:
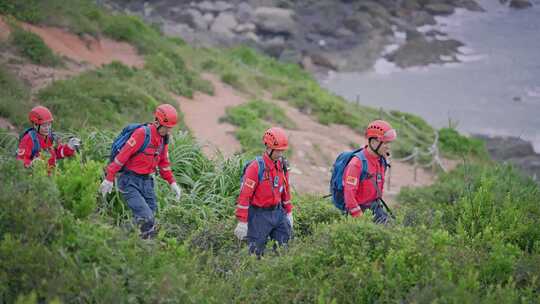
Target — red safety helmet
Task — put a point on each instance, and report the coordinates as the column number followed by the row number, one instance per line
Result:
column 276, row 139
column 381, row 130
column 40, row 115
column 166, row 115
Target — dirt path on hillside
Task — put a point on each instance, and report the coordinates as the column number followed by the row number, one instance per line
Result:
column 202, row 115
column 315, row 146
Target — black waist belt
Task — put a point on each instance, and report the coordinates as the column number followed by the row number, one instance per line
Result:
column 267, row 208
column 125, row 171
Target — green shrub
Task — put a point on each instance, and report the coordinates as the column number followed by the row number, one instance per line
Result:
column 32, row 47
column 79, row 185
column 35, row 212
column 24, row 10
column 479, row 200
column 456, row 144
column 232, row 79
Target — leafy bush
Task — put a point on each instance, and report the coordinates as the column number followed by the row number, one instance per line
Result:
column 232, row 80
column 24, row 10
column 79, row 185
column 458, row 145
column 32, row 47
column 477, row 201
column 35, row 213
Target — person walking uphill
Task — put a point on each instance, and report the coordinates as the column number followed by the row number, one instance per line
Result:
column 365, row 193
column 136, row 153
column 40, row 138
column 264, row 206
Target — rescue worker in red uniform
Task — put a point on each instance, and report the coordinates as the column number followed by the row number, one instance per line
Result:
column 365, row 194
column 264, row 206
column 40, row 140
column 135, row 183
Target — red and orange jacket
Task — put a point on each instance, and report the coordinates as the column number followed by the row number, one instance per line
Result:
column 155, row 155
column 273, row 189
column 361, row 193
column 47, row 144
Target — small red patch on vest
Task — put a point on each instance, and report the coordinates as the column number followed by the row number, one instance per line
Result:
column 132, row 142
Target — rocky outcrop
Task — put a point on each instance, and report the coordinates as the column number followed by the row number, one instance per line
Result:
column 519, row 4
column 342, row 34
column 421, row 51
column 516, row 151
column 275, row 20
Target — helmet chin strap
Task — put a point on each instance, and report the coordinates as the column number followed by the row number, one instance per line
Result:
column 270, row 154
column 378, row 147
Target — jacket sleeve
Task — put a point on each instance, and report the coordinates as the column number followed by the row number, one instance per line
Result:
column 24, row 152
column 247, row 189
column 165, row 165
column 63, row 150
column 286, row 194
column 351, row 182
column 132, row 145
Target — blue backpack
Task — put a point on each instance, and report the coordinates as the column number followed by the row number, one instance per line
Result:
column 123, row 137
column 36, row 147
column 260, row 161
column 336, row 182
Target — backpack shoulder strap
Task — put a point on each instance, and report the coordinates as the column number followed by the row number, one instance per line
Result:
column 360, row 155
column 147, row 134
column 35, row 142
column 260, row 162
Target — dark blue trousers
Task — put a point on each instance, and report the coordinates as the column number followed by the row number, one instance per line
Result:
column 379, row 214
column 138, row 191
column 264, row 224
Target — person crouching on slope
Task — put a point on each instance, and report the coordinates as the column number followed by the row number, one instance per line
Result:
column 40, row 139
column 264, row 206
column 365, row 194
column 136, row 182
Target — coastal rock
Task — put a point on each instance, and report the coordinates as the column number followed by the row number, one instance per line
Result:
column 275, row 20
column 520, row 4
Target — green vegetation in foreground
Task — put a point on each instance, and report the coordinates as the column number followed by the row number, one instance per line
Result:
column 463, row 239
column 252, row 119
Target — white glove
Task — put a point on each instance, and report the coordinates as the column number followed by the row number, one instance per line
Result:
column 106, row 187
column 177, row 190
column 241, row 230
column 74, row 143
column 290, row 218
